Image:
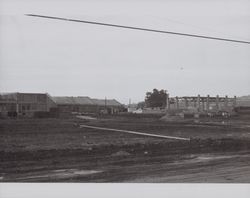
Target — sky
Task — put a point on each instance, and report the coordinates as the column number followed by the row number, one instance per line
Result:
column 74, row 59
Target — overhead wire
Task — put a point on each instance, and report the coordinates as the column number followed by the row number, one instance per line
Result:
column 141, row 29
column 203, row 28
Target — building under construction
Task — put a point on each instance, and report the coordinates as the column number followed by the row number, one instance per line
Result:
column 201, row 105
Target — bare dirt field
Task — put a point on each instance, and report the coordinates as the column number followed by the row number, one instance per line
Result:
column 59, row 150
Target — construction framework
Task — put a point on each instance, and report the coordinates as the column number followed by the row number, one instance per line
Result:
column 200, row 103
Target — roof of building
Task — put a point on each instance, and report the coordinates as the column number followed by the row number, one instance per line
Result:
column 79, row 100
column 103, row 102
column 243, row 101
column 8, row 96
column 84, row 100
column 14, row 95
column 73, row 100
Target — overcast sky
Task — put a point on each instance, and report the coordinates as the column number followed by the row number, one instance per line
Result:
column 71, row 59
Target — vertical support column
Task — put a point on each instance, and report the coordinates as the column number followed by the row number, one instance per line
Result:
column 234, row 102
column 194, row 101
column 17, row 105
column 186, row 103
column 203, row 104
column 105, row 104
column 47, row 101
column 217, row 102
column 167, row 102
column 198, row 102
column 226, row 102
column 207, row 105
column 177, row 102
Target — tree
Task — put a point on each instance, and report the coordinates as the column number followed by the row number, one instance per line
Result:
column 141, row 105
column 156, row 98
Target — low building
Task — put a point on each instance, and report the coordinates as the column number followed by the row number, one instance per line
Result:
column 243, row 101
column 84, row 104
column 243, row 105
column 131, row 108
column 25, row 104
column 43, row 105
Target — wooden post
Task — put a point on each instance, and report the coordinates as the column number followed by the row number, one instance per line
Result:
column 177, row 102
column 167, row 102
column 217, row 103
column 198, row 102
column 194, row 101
column 186, row 103
column 226, row 101
column 234, row 102
column 105, row 104
column 207, row 105
column 203, row 104
column 17, row 105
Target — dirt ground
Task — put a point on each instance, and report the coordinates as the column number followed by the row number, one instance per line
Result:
column 58, row 150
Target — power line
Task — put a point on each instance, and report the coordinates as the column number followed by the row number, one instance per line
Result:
column 142, row 29
column 202, row 28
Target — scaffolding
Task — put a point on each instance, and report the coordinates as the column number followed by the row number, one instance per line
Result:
column 200, row 104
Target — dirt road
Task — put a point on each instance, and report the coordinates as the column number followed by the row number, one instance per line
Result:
column 214, row 168
column 202, row 168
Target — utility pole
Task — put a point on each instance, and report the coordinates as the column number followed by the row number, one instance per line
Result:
column 17, row 105
column 167, row 103
column 105, row 103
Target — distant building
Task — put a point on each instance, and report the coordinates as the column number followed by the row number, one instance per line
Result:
column 37, row 104
column 131, row 108
column 243, row 105
column 83, row 104
column 243, row 101
column 25, row 104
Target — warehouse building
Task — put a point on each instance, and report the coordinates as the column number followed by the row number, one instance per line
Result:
column 84, row 104
column 243, row 105
column 43, row 105
column 25, row 104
